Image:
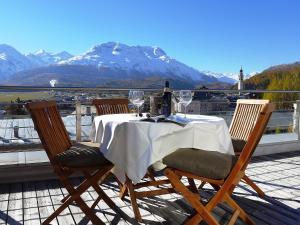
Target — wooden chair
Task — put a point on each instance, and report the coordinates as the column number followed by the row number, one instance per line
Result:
column 215, row 168
column 244, row 119
column 111, row 106
column 67, row 159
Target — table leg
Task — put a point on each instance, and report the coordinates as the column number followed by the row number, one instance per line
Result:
column 129, row 188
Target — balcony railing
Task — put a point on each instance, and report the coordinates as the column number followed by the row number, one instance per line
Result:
column 16, row 127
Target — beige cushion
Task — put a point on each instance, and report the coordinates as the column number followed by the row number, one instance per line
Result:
column 80, row 155
column 90, row 144
column 209, row 164
column 238, row 144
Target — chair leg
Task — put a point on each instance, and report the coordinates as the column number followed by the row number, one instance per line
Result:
column 254, row 186
column 101, row 179
column 151, row 176
column 202, row 184
column 96, row 202
column 123, row 191
column 65, row 198
column 82, row 205
column 194, row 219
column 75, row 195
column 193, row 186
column 231, row 189
column 192, row 198
column 57, row 211
column 119, row 183
column 243, row 215
column 133, row 200
column 101, row 193
column 88, row 212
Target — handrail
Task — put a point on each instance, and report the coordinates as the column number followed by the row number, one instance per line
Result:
column 77, row 103
column 44, row 88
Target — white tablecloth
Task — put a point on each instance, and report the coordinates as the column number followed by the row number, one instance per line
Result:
column 132, row 145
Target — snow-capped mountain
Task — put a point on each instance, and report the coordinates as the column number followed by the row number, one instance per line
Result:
column 12, row 61
column 145, row 59
column 229, row 78
column 43, row 58
column 107, row 63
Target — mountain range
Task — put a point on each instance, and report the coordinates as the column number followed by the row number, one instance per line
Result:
column 107, row 64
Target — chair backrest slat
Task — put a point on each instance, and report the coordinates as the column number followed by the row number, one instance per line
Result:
column 111, row 106
column 245, row 117
column 50, row 127
column 256, row 134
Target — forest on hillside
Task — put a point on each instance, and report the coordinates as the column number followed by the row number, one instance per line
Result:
column 283, row 77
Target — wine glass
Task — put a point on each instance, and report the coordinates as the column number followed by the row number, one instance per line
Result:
column 185, row 98
column 176, row 95
column 136, row 97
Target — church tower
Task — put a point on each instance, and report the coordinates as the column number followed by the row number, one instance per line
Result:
column 241, row 80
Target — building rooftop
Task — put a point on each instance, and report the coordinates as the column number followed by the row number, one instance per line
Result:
column 278, row 175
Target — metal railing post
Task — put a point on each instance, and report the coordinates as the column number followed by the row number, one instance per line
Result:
column 296, row 116
column 78, row 121
column 16, row 131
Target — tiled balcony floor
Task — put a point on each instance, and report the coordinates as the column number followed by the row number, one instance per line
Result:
column 278, row 175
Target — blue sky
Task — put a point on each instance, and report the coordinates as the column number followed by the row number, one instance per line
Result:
column 215, row 35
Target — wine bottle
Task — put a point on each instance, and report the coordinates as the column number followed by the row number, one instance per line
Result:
column 166, row 100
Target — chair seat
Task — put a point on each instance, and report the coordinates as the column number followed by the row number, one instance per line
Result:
column 208, row 164
column 238, row 144
column 81, row 155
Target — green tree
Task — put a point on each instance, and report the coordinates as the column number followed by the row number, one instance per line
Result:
column 15, row 108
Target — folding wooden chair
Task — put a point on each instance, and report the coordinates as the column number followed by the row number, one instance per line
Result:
column 111, row 106
column 215, row 168
column 67, row 159
column 244, row 118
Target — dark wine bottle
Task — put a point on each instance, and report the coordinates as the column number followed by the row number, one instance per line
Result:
column 166, row 100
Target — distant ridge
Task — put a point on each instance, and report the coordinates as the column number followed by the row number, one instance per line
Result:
column 280, row 77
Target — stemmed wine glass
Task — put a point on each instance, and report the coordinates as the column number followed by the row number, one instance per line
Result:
column 176, row 95
column 136, row 97
column 185, row 98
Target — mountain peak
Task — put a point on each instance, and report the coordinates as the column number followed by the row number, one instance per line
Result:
column 64, row 55
column 6, row 47
column 44, row 58
column 113, row 47
column 41, row 52
column 12, row 61
column 9, row 51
